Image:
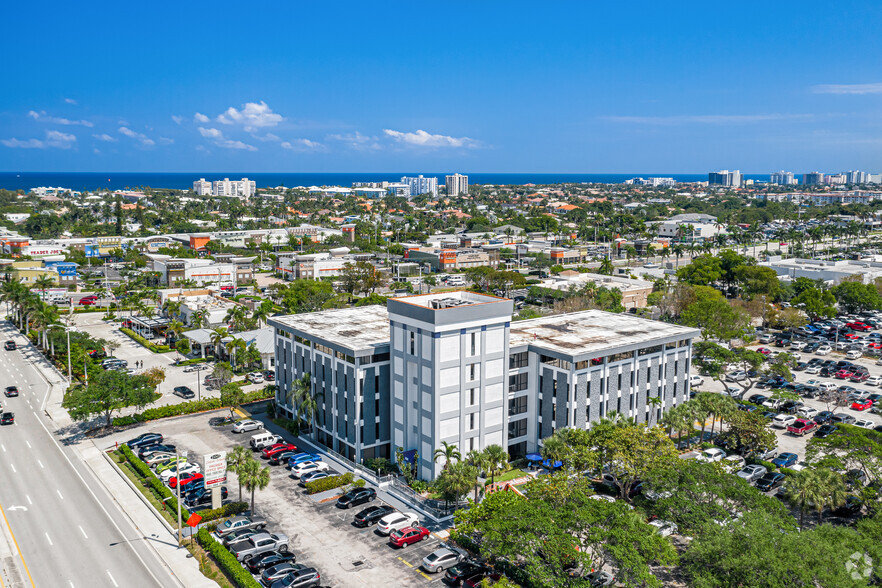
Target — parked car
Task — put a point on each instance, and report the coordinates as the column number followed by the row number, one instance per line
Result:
column 862, row 405
column 255, row 378
column 308, row 467
column 11, row 391
column 281, row 457
column 696, row 380
column 169, row 464
column 711, row 455
column 158, row 457
column 864, row 424
column 199, row 498
column 146, row 450
column 664, row 528
column 269, row 375
column 278, row 571
column 782, row 421
column 824, row 350
column 736, row 376
column 302, row 578
column 734, row 463
column 303, row 456
column 396, row 520
column 770, row 481
column 853, row 354
column 807, row 412
column 312, row 476
column 752, row 473
column 277, row 448
column 184, row 392
column 823, row 417
column 184, row 468
column 184, row 480
column 845, row 419
column 264, row 440
column 462, row 571
column 247, row 425
column 144, row 439
column 785, row 460
column 408, row 536
column 237, row 536
column 800, row 427
column 258, row 544
column 356, row 496
column 757, row 399
column 267, row 560
column 825, row 431
column 443, row 559
column 372, row 514
column 238, row 523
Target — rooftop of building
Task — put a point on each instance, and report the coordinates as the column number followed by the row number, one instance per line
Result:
column 594, row 331
column 355, row 328
column 444, row 300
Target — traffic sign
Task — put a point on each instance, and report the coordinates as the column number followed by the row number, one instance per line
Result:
column 194, row 520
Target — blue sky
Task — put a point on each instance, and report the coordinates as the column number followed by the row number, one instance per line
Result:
column 677, row 87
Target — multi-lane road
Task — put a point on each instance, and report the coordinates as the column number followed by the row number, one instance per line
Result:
column 59, row 528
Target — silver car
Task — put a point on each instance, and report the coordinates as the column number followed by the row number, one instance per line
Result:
column 752, row 473
column 247, row 425
column 443, row 559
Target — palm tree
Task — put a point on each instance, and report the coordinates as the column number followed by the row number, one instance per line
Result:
column 497, row 460
column 236, row 316
column 721, row 407
column 655, row 403
column 43, row 283
column 262, row 312
column 306, row 401
column 455, row 481
column 236, row 460
column 254, row 477
column 176, row 328
column 172, row 308
column 816, row 489
column 606, row 267
column 234, row 345
column 449, row 452
column 217, row 339
column 478, row 460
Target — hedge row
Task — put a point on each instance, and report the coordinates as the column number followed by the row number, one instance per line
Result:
column 143, row 470
column 226, row 510
column 151, row 346
column 171, row 410
column 226, row 560
column 328, row 483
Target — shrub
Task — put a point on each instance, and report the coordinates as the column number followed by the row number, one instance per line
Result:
column 328, row 483
column 151, row 346
column 226, row 560
column 160, row 489
column 171, row 410
column 359, row 483
column 226, row 510
column 420, row 486
column 292, row 427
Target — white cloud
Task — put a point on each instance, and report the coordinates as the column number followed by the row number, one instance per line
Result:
column 55, row 139
column 165, row 141
column 218, row 138
column 357, row 141
column 707, row 119
column 43, row 117
column 142, row 138
column 252, row 116
column 200, row 118
column 874, row 88
column 178, row 119
column 105, row 137
column 302, row 145
column 70, row 101
column 423, row 139
column 268, row 137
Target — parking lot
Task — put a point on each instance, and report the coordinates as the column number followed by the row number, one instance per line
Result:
column 321, row 535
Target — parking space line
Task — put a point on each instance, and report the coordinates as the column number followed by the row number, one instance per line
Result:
column 405, row 562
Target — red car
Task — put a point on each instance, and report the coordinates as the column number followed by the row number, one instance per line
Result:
column 859, row 376
column 408, row 535
column 859, row 326
column 851, row 336
column 801, row 426
column 843, row 374
column 861, row 404
column 185, row 480
column 88, row 300
column 278, row 448
column 764, row 350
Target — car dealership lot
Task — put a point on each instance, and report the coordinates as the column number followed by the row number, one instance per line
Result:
column 321, row 535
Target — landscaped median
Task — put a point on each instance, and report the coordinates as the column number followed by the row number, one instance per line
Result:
column 191, row 407
column 226, row 560
column 151, row 346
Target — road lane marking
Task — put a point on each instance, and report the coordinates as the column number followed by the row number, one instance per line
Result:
column 59, row 494
column 4, row 448
column 49, row 540
column 111, row 579
column 13, row 468
column 83, row 532
column 28, row 496
column 28, row 444
column 17, row 548
column 41, row 464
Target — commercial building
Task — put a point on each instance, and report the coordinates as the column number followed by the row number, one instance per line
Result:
column 443, row 260
column 243, row 188
column 457, row 185
column 314, row 266
column 689, row 227
column 200, row 272
column 812, row 179
column 729, row 179
column 420, row 185
column 60, row 272
column 831, row 272
column 453, row 367
column 635, row 293
column 783, row 178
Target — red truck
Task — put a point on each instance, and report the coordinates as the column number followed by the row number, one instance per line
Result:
column 801, row 426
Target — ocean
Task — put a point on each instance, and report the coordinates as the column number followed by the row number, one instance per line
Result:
column 121, row 181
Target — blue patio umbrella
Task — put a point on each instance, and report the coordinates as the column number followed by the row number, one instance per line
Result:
column 534, row 457
column 547, row 463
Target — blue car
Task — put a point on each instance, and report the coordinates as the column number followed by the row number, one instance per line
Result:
column 301, row 457
column 785, row 460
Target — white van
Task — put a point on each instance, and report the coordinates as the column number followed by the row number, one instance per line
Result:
column 262, row 440
column 457, row 280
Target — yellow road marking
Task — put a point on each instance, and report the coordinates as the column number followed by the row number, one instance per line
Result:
column 408, row 564
column 16, row 546
column 426, row 576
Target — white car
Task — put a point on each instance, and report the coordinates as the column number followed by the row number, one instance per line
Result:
column 843, row 345
column 824, row 350
column 772, row 404
column 734, row 463
column 182, row 469
column 158, row 457
column 813, row 369
column 396, row 520
column 247, row 425
column 827, row 386
column 873, row 381
column 795, row 356
column 255, row 378
column 853, row 354
column 664, row 528
column 782, row 421
column 734, row 390
column 696, row 380
column 798, row 345
column 305, row 467
column 712, row 454
column 807, row 412
column 736, row 376
column 864, row 424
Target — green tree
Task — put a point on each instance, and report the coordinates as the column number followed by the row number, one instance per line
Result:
column 815, row 489
column 253, row 477
column 703, row 271
column 816, row 303
column 448, row 452
column 749, row 433
column 855, row 296
column 497, row 460
column 231, row 395
column 716, row 318
column 236, row 460
column 108, row 392
column 455, row 480
column 758, row 280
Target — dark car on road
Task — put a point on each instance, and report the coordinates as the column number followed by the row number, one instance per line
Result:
column 770, row 481
column 267, row 560
column 10, row 346
column 144, row 439
column 269, row 375
column 184, row 392
column 371, row 515
column 11, row 391
column 7, row 418
column 356, row 496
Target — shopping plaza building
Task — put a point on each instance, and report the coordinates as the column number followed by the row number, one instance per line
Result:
column 454, row 367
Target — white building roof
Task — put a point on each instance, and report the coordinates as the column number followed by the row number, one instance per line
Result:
column 355, row 328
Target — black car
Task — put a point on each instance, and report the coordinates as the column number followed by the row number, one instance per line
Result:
column 371, row 515
column 200, row 497
column 852, row 506
column 184, row 392
column 827, row 371
column 267, row 560
column 463, row 571
column 356, row 496
column 790, row 406
column 823, row 417
column 757, row 399
column 770, row 481
column 841, row 417
column 269, row 375
column 809, row 391
column 7, row 418
column 800, row 366
column 279, row 571
column 143, row 450
column 770, row 414
column 825, row 431
column 281, row 457
column 878, row 428
column 10, row 346
column 11, row 391
column 145, row 439
column 299, row 579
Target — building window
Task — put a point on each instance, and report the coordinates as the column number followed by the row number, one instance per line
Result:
column 555, row 362
column 412, row 343
column 650, row 350
column 517, row 382
column 473, row 371
column 517, row 429
column 517, row 406
column 518, row 360
column 473, row 344
column 473, row 396
column 620, row 357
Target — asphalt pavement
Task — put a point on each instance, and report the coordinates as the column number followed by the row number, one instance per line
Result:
column 59, row 526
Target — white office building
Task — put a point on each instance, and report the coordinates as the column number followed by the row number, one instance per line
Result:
column 420, row 185
column 729, row 179
column 457, row 185
column 202, row 187
column 783, row 178
column 243, row 188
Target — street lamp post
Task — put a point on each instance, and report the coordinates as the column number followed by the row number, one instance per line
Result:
column 68, row 330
